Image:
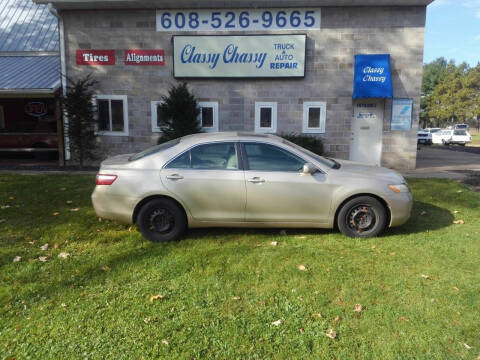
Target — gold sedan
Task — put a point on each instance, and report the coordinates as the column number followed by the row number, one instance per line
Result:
column 246, row 180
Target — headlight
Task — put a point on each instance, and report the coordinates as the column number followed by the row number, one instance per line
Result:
column 401, row 188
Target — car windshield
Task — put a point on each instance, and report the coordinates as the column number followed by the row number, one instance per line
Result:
column 460, row 132
column 461, row 126
column 154, row 149
column 323, row 160
column 433, row 131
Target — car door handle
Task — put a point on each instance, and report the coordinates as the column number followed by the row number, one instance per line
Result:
column 256, row 180
column 174, row 177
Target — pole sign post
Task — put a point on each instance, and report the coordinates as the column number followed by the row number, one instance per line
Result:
column 241, row 56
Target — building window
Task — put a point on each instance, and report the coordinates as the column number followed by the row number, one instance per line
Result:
column 265, row 117
column 112, row 112
column 208, row 117
column 159, row 118
column 314, row 115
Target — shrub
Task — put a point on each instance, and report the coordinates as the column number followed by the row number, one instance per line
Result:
column 78, row 107
column 180, row 109
column 312, row 143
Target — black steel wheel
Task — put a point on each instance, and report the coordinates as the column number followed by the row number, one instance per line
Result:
column 161, row 220
column 363, row 216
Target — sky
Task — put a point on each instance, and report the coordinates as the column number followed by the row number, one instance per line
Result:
column 453, row 31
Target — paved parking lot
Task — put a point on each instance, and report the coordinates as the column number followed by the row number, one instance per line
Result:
column 452, row 162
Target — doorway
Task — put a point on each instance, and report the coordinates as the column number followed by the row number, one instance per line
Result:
column 367, row 131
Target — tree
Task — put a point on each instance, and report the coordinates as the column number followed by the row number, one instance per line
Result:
column 78, row 107
column 180, row 110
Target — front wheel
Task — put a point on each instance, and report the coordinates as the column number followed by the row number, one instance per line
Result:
column 362, row 217
column 161, row 220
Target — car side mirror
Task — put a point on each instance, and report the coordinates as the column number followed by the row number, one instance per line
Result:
column 309, row 168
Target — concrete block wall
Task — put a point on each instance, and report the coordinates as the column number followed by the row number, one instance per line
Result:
column 345, row 31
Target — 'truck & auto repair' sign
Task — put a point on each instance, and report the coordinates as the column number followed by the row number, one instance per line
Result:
column 237, row 56
column 131, row 57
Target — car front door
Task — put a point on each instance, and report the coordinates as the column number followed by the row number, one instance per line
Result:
column 278, row 190
column 209, row 181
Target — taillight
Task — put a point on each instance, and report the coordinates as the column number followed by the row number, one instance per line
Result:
column 104, row 179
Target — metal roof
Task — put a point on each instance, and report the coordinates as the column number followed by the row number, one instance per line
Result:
column 122, row 4
column 29, row 73
column 26, row 26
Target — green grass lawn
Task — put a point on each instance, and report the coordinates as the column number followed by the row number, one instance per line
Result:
column 418, row 285
column 475, row 139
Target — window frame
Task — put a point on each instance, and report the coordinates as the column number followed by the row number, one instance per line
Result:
column 238, row 152
column 124, row 99
column 3, row 124
column 214, row 106
column 307, row 105
column 258, row 106
column 246, row 164
column 153, row 110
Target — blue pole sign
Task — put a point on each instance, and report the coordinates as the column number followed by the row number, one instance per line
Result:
column 402, row 110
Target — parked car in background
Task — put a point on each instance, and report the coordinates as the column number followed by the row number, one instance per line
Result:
column 246, row 180
column 424, row 137
column 461, row 127
column 451, row 137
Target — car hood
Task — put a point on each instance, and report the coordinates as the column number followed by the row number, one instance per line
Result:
column 366, row 170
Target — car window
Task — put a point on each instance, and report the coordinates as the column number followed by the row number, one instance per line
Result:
column 181, row 162
column 221, row 156
column 154, row 149
column 460, row 132
column 266, row 157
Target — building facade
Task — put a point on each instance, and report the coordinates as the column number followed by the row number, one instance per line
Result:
column 280, row 67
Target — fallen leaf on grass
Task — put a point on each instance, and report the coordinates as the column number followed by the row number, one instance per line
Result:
column 236, row 298
column 423, row 213
column 44, row 247
column 456, row 212
column 63, row 255
column 105, row 268
column 156, row 297
column 317, row 315
column 56, row 213
column 302, row 331
column 302, row 268
column 425, row 276
column 42, row 258
column 63, row 305
column 277, row 323
column 274, row 243
column 337, row 319
column 331, row 334
column 164, row 342
column 467, row 346
column 147, row 320
column 459, row 191
column 358, row 308
column 300, row 237
column 459, row 222
column 31, row 242
column 404, row 319
column 63, row 189
column 456, row 288
column 69, row 201
column 56, row 246
column 11, row 197
column 74, row 209
column 5, row 207
column 17, row 258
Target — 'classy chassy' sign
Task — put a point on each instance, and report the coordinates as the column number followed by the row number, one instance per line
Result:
column 239, row 56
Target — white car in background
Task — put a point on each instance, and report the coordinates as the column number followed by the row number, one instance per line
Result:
column 433, row 130
column 424, row 137
column 447, row 137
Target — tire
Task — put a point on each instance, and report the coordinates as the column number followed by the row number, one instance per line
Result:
column 161, row 220
column 350, row 216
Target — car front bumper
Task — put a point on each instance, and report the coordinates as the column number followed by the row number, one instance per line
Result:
column 400, row 208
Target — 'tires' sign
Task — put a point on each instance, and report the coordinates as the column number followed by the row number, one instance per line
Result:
column 95, row 57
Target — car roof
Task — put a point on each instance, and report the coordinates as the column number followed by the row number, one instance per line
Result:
column 228, row 136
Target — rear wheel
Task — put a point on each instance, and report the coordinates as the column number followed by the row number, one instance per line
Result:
column 161, row 220
column 362, row 217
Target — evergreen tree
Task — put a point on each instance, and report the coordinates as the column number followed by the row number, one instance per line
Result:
column 181, row 112
column 78, row 107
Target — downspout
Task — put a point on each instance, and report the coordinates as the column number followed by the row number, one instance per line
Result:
column 63, row 75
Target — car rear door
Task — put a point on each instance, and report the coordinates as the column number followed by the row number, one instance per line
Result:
column 209, row 181
column 277, row 189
